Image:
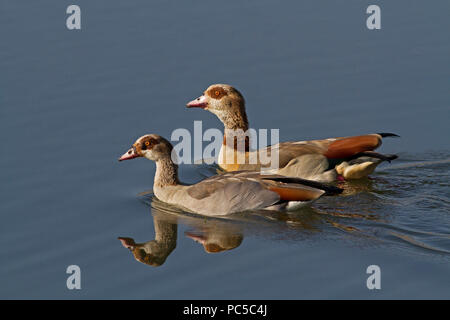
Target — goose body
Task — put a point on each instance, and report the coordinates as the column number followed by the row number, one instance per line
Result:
column 320, row 160
column 227, row 193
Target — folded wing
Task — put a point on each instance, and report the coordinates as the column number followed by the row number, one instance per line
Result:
column 242, row 191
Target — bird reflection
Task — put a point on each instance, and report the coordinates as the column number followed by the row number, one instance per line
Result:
column 358, row 207
column 155, row 252
column 215, row 235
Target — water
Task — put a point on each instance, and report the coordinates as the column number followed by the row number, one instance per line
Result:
column 73, row 101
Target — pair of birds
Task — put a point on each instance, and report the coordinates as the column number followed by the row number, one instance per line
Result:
column 304, row 166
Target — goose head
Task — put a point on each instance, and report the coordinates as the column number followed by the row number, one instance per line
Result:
column 153, row 253
column 226, row 102
column 216, row 241
column 150, row 146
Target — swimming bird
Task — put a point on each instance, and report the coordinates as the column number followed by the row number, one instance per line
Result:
column 321, row 160
column 227, row 193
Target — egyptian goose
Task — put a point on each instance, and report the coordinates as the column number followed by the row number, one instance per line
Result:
column 223, row 194
column 321, row 160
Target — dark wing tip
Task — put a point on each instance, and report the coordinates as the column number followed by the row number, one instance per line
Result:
column 388, row 134
column 391, row 156
column 372, row 154
column 332, row 190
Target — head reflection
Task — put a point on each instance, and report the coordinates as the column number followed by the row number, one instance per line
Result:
column 355, row 213
column 154, row 252
column 217, row 239
column 215, row 236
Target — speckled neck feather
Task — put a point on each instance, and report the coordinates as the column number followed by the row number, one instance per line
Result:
column 166, row 172
column 235, row 121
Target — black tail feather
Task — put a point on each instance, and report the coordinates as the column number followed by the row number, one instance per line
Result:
column 372, row 154
column 387, row 134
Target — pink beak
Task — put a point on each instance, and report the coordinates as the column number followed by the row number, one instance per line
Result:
column 200, row 102
column 196, row 237
column 130, row 154
column 127, row 242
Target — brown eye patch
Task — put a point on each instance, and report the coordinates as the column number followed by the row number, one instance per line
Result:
column 216, row 92
column 148, row 143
